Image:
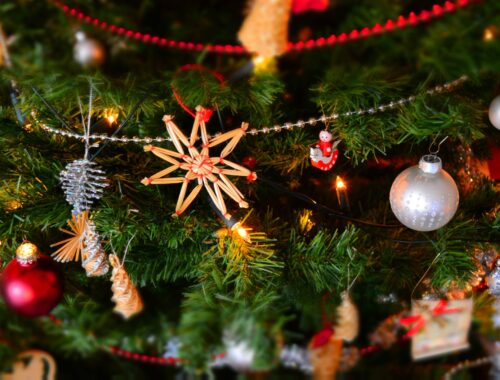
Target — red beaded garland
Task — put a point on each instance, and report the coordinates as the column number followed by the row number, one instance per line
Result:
column 401, row 22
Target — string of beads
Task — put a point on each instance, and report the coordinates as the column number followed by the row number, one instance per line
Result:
column 446, row 87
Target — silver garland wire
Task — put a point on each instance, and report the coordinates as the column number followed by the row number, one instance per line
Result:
column 83, row 182
column 94, row 259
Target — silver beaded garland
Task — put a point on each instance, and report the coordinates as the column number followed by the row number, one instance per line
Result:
column 424, row 197
column 494, row 112
column 82, row 182
column 87, row 51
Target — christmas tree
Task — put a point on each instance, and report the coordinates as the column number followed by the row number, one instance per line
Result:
column 276, row 189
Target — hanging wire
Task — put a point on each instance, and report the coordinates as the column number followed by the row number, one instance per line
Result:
column 124, row 122
column 434, row 153
column 51, row 108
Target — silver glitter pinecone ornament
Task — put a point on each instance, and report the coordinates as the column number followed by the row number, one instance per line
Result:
column 424, row 197
column 83, row 183
column 88, row 52
column 494, row 112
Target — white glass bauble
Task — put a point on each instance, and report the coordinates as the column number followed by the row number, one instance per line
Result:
column 424, row 197
column 494, row 112
column 87, row 51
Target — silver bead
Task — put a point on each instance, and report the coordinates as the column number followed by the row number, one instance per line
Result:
column 424, row 197
column 494, row 112
column 88, row 51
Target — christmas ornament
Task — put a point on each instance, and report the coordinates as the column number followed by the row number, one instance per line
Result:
column 350, row 357
column 31, row 284
column 199, row 165
column 82, row 182
column 347, row 326
column 94, row 259
column 493, row 281
column 265, row 29
column 83, row 244
column 494, row 112
column 238, row 355
column 424, row 197
column 88, row 52
column 127, row 299
column 438, row 327
column 325, row 350
column 32, row 365
column 386, row 333
column 299, row 6
column 324, row 154
column 296, row 357
column 485, row 257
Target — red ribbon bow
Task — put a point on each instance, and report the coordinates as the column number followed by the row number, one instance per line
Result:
column 418, row 321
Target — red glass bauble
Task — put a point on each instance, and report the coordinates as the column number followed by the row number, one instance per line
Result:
column 249, row 162
column 32, row 289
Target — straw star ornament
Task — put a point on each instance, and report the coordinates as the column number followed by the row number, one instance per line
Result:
column 209, row 172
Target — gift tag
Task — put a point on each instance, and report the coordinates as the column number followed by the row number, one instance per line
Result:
column 438, row 327
column 32, row 365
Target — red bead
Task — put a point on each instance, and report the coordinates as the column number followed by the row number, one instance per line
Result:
column 354, row 34
column 365, row 31
column 33, row 289
column 412, row 18
column 449, row 6
column 389, row 25
column 331, row 40
column 377, row 28
column 425, row 15
column 342, row 37
column 401, row 21
column 437, row 10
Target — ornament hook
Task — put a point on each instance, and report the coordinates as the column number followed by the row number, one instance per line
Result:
column 435, row 152
column 127, row 246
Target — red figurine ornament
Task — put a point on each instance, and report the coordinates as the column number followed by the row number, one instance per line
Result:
column 324, row 153
column 31, row 284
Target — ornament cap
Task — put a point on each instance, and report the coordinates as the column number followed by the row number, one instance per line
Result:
column 27, row 253
column 430, row 163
